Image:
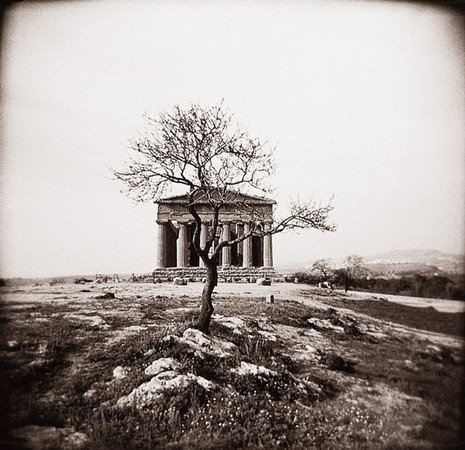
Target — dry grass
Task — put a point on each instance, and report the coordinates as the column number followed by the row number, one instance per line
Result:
column 362, row 389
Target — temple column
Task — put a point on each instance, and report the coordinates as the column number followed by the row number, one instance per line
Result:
column 161, row 244
column 240, row 245
column 203, row 241
column 226, row 251
column 267, row 250
column 247, row 260
column 182, row 246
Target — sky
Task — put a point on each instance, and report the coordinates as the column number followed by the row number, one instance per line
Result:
column 363, row 101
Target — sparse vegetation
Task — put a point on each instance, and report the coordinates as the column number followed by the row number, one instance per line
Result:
column 446, row 286
column 325, row 377
column 422, row 318
column 416, row 285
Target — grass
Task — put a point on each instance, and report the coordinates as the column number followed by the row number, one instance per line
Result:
column 428, row 318
column 354, row 395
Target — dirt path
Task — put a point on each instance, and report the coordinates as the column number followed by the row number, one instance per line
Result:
column 442, row 305
column 285, row 291
column 301, row 291
column 84, row 295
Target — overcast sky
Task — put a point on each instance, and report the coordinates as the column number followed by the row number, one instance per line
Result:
column 363, row 100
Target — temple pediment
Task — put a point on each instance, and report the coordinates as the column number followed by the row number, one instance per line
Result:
column 237, row 207
column 230, row 197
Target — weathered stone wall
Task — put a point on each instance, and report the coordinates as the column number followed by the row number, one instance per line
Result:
column 225, row 275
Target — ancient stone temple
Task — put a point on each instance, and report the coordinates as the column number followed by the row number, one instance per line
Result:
column 249, row 259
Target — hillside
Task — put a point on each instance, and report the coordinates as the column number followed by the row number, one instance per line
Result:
column 445, row 262
column 397, row 262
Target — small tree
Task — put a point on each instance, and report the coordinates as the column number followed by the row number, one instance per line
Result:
column 352, row 269
column 323, row 269
column 200, row 149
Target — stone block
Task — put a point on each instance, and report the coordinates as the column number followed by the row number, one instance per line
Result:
column 179, row 281
column 269, row 299
column 236, row 274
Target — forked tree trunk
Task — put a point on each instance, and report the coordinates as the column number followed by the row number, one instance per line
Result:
column 206, row 311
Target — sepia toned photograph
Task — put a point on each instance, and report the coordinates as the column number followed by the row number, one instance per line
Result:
column 232, row 225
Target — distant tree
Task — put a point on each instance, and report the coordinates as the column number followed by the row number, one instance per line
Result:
column 303, row 277
column 419, row 284
column 200, row 149
column 351, row 270
column 322, row 268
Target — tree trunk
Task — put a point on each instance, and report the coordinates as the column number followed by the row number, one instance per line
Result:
column 206, row 311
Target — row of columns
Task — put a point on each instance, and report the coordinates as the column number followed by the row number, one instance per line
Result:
column 182, row 245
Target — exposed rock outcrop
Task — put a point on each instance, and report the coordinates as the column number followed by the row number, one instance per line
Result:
column 148, row 393
column 203, row 344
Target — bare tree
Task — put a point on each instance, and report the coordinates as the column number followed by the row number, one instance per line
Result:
column 323, row 268
column 353, row 268
column 216, row 161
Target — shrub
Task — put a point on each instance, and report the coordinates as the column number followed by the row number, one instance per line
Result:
column 304, row 277
column 414, row 285
column 336, row 362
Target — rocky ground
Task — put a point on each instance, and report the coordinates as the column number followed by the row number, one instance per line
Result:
column 120, row 366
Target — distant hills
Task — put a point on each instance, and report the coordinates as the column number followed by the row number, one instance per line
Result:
column 430, row 257
column 433, row 259
column 398, row 262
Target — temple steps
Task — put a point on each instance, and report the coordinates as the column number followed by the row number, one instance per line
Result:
column 225, row 275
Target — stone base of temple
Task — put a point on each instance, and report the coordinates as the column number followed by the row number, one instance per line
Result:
column 225, row 275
